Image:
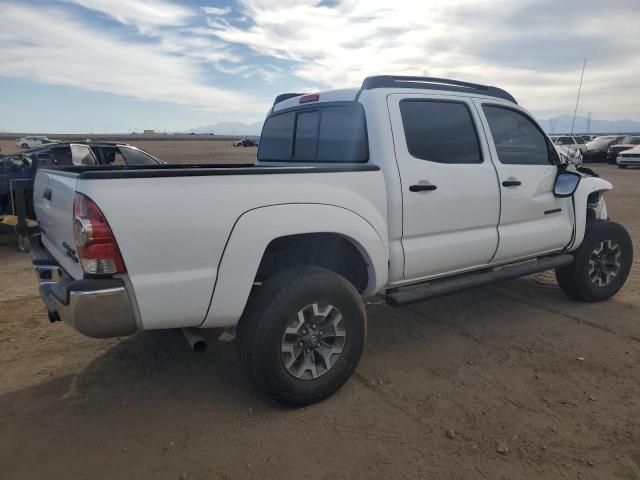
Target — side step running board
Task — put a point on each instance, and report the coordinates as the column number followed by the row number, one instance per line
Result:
column 438, row 288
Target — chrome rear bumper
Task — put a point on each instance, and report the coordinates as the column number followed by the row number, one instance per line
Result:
column 99, row 308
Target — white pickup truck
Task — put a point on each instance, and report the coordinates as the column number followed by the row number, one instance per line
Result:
column 404, row 181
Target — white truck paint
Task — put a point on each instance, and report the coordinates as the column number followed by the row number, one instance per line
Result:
column 194, row 239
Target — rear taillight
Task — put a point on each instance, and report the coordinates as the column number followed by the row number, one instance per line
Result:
column 96, row 246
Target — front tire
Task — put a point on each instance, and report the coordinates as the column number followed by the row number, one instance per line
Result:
column 302, row 334
column 24, row 146
column 601, row 265
column 622, row 166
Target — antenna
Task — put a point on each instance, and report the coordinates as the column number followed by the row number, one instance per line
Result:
column 575, row 111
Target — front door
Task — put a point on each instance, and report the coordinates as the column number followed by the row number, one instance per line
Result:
column 532, row 220
column 450, row 192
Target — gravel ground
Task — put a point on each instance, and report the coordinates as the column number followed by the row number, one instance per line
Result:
column 509, row 381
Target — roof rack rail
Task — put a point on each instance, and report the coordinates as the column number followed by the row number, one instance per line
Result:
column 434, row 83
column 285, row 96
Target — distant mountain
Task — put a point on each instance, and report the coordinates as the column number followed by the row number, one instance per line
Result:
column 230, row 128
column 562, row 124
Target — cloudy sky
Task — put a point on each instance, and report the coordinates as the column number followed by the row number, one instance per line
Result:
column 116, row 65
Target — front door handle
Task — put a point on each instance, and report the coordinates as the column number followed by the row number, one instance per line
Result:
column 511, row 182
column 47, row 194
column 422, row 187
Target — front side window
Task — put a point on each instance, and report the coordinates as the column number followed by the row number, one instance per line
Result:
column 329, row 133
column 517, row 139
column 440, row 131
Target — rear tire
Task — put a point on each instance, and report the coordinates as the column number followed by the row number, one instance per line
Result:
column 601, row 265
column 24, row 146
column 302, row 334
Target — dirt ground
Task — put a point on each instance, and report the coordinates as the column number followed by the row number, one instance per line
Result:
column 516, row 367
column 177, row 151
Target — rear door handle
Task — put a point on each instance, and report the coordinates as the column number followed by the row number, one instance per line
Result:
column 421, row 187
column 47, row 194
column 511, row 182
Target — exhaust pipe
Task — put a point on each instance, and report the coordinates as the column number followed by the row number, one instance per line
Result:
column 196, row 341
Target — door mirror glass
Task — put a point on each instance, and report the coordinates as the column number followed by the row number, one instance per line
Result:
column 566, row 184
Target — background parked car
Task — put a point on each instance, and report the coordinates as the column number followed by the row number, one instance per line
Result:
column 245, row 142
column 629, row 157
column 34, row 141
column 597, row 149
column 569, row 144
column 23, row 165
column 627, row 143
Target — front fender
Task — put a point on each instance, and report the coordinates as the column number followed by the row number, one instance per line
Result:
column 587, row 186
column 255, row 229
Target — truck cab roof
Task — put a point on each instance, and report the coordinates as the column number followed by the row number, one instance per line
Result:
column 393, row 84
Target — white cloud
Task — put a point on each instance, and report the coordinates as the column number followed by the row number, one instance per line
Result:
column 534, row 49
column 66, row 52
column 146, row 15
column 167, row 23
column 216, row 10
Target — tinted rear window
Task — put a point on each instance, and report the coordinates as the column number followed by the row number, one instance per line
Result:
column 277, row 133
column 328, row 133
column 306, row 135
column 440, row 131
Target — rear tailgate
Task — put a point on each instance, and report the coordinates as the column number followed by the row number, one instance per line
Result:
column 53, row 195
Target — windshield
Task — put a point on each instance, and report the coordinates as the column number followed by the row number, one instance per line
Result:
column 630, row 140
column 601, row 141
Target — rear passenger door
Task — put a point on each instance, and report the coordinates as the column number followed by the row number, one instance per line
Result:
column 450, row 193
column 532, row 220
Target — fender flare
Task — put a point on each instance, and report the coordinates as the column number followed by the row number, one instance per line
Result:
column 587, row 186
column 255, row 229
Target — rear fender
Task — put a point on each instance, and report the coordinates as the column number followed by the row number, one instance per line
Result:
column 255, row 229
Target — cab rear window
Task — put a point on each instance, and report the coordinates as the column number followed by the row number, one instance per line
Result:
column 323, row 133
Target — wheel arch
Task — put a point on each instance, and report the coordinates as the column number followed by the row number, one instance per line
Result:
column 588, row 188
column 248, row 255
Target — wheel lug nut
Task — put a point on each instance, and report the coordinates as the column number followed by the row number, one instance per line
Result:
column 301, row 344
column 313, row 326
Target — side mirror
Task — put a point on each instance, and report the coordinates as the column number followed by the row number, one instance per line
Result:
column 566, row 184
